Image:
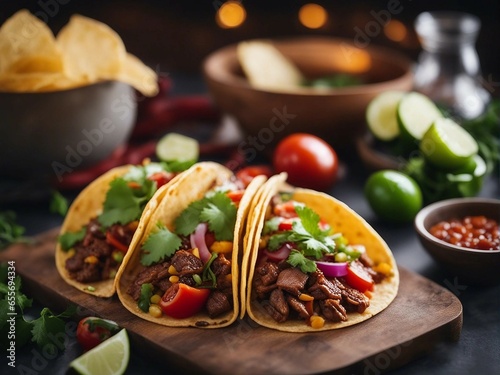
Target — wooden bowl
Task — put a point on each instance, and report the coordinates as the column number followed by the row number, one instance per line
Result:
column 475, row 267
column 338, row 115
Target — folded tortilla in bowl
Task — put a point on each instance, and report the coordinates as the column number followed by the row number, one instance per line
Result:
column 185, row 218
column 337, row 303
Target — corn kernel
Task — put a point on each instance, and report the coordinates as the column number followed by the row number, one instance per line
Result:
column 196, row 252
column 71, row 252
column 155, row 298
column 263, row 242
column 155, row 311
column 172, row 270
column 383, row 268
column 317, row 321
column 306, row 297
column 173, row 279
column 229, row 277
column 222, row 247
column 92, row 259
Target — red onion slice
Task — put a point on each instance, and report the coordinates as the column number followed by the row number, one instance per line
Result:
column 331, row 269
column 197, row 239
column 281, row 254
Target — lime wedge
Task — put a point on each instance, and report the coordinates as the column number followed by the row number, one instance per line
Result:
column 416, row 113
column 381, row 115
column 108, row 358
column 447, row 145
column 177, row 147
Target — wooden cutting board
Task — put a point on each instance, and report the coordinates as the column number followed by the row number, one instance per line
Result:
column 422, row 315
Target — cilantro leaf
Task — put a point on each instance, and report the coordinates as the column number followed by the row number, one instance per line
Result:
column 271, row 225
column 69, row 239
column 121, row 206
column 220, row 214
column 48, row 325
column 10, row 231
column 58, row 203
column 159, row 245
column 297, row 259
column 276, row 240
column 188, row 220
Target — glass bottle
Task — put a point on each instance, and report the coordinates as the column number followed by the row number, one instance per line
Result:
column 448, row 69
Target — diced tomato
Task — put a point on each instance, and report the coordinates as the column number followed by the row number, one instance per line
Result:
column 235, row 195
column 358, row 278
column 286, row 224
column 323, row 225
column 247, row 174
column 182, row 301
column 209, row 238
column 286, row 209
column 133, row 184
column 110, row 239
column 161, row 178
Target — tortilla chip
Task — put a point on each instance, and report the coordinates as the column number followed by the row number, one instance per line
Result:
column 342, row 219
column 190, row 188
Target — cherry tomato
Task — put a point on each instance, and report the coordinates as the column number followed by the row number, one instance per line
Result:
column 161, row 178
column 285, row 225
column 358, row 278
column 309, row 161
column 91, row 331
column 247, row 174
column 235, row 195
column 286, row 210
column 182, row 301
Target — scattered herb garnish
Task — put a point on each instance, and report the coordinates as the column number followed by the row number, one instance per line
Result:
column 58, row 203
column 69, row 239
column 41, row 330
column 10, row 231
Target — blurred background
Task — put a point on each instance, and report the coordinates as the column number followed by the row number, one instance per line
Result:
column 175, row 36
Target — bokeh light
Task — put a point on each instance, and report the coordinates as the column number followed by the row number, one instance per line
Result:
column 231, row 14
column 313, row 16
column 395, row 30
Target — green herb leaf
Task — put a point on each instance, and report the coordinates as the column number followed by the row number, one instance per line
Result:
column 278, row 239
column 121, row 205
column 188, row 220
column 220, row 214
column 47, row 326
column 159, row 245
column 69, row 239
column 10, row 231
column 271, row 225
column 297, row 259
column 58, row 203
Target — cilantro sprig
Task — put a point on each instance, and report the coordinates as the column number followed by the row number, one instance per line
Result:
column 217, row 210
column 10, row 231
column 69, row 239
column 311, row 241
column 159, row 245
column 40, row 330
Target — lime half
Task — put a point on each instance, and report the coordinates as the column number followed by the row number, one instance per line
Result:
column 108, row 358
column 381, row 115
column 416, row 113
column 447, row 145
column 177, row 147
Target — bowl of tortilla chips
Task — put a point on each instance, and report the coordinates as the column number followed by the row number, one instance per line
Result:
column 68, row 100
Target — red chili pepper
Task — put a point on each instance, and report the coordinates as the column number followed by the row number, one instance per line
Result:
column 113, row 241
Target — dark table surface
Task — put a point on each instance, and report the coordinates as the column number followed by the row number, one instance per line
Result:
column 476, row 352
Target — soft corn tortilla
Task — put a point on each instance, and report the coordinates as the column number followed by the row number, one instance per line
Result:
column 342, row 219
column 176, row 198
column 87, row 205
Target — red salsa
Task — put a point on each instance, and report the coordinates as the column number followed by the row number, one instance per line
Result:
column 472, row 232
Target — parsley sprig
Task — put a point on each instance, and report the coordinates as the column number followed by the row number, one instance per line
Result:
column 311, row 241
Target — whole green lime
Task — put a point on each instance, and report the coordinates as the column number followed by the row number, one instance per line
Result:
column 393, row 196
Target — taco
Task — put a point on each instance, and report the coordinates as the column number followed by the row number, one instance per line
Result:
column 102, row 222
column 184, row 270
column 312, row 264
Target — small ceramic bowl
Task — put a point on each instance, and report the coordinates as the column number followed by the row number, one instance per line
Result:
column 336, row 114
column 475, row 267
column 55, row 133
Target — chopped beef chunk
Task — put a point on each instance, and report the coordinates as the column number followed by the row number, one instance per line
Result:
column 122, row 233
column 322, row 288
column 221, row 265
column 298, row 306
column 89, row 273
column 292, row 280
column 277, row 307
column 163, row 284
column 186, row 263
column 354, row 300
column 151, row 275
column 332, row 310
column 268, row 273
column 262, row 290
column 134, row 290
column 217, row 304
column 188, row 280
column 365, row 260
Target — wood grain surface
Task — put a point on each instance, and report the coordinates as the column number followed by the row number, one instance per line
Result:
column 422, row 315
